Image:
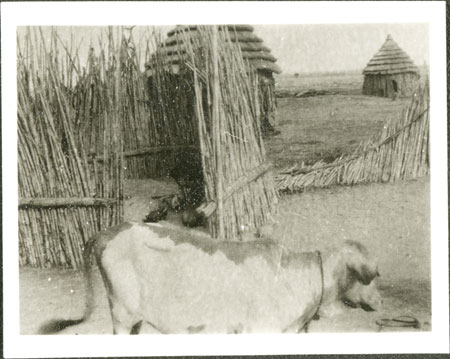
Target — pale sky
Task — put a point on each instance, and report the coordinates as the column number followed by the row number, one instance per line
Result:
column 311, row 48
column 306, row 48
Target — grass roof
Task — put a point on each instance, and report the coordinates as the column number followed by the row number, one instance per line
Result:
column 390, row 59
column 253, row 50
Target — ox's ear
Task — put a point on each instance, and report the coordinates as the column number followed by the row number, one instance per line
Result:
column 361, row 266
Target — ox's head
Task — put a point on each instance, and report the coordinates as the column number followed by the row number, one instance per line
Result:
column 354, row 273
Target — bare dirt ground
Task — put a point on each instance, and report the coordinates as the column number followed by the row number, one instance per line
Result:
column 392, row 220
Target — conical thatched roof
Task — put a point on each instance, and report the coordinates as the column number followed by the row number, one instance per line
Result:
column 390, row 59
column 252, row 46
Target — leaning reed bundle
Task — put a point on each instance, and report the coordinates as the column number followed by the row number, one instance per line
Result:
column 400, row 151
column 64, row 197
column 239, row 185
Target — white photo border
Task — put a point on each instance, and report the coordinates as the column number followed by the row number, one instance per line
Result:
column 168, row 13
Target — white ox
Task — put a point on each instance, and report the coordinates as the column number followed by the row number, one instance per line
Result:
column 184, row 283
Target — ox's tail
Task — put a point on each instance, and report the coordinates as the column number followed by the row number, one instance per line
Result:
column 56, row 325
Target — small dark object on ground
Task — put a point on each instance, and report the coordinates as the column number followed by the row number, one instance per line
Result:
column 191, row 218
column 174, row 202
column 158, row 214
column 312, row 92
column 303, row 94
column 404, row 321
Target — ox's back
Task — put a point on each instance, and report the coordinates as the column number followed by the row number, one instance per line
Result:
column 178, row 281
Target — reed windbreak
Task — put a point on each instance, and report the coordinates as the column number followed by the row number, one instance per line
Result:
column 70, row 166
column 400, row 151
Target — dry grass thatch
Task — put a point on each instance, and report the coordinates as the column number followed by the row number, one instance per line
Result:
column 251, row 46
column 400, row 151
column 390, row 59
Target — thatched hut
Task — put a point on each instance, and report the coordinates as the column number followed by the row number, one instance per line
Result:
column 253, row 50
column 390, row 73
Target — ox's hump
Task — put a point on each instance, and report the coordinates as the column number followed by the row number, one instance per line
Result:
column 237, row 252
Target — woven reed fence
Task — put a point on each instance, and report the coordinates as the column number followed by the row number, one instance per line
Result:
column 63, row 110
column 239, row 187
column 146, row 131
column 152, row 123
column 400, row 151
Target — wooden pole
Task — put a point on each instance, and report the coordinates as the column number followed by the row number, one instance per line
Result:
column 217, row 134
column 43, row 202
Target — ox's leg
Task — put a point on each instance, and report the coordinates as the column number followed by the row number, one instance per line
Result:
column 123, row 322
column 121, row 319
column 126, row 325
column 136, row 328
column 124, row 298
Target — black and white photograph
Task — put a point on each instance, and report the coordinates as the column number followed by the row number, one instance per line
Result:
column 221, row 183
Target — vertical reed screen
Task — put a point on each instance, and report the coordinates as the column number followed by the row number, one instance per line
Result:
column 233, row 154
column 65, row 112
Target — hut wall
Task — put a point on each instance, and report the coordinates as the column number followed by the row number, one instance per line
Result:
column 381, row 85
column 407, row 83
column 267, row 99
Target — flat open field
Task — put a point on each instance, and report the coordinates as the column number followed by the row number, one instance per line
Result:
column 324, row 127
column 343, row 83
column 392, row 220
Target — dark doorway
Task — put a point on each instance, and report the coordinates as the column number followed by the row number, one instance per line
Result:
column 394, row 85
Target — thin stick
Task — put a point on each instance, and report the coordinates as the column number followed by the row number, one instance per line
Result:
column 217, row 131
